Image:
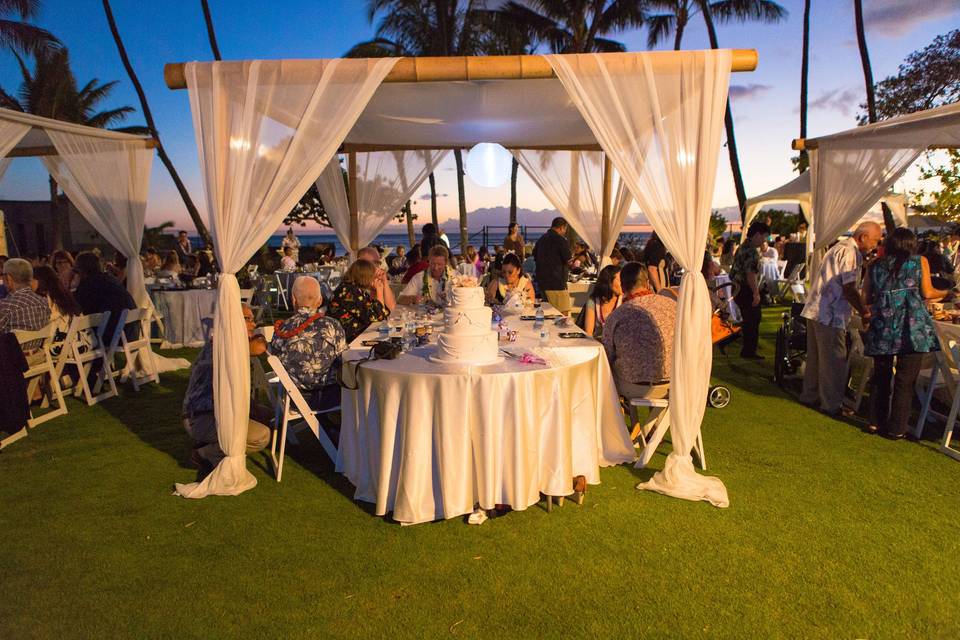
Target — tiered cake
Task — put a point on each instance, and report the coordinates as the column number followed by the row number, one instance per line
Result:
column 467, row 337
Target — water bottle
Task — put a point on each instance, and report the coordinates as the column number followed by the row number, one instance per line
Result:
column 384, row 330
column 410, row 336
column 538, row 317
column 544, row 336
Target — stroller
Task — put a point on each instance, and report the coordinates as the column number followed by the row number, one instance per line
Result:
column 791, row 348
column 722, row 333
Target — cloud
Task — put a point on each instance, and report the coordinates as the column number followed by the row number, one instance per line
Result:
column 426, row 196
column 844, row 101
column 748, row 91
column 892, row 18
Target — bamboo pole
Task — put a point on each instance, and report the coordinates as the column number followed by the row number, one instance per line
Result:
column 354, row 212
column 806, row 144
column 50, row 150
column 348, row 147
column 466, row 68
column 607, row 204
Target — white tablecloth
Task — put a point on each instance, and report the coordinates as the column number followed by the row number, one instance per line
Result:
column 726, row 293
column 769, row 270
column 183, row 312
column 429, row 441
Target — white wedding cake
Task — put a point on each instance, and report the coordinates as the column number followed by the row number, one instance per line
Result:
column 467, row 337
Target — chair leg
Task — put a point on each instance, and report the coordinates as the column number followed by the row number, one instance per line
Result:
column 698, row 447
column 926, row 399
column 651, row 444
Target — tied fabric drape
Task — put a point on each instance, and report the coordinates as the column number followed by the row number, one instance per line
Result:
column 265, row 130
column 10, row 134
column 385, row 181
column 659, row 117
column 573, row 183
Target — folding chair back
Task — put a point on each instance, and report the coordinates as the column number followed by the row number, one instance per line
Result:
column 953, row 355
column 140, row 367
column 302, row 411
column 86, row 347
column 40, row 366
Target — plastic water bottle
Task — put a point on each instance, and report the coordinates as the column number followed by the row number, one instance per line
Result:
column 538, row 317
column 544, row 336
column 410, row 336
column 384, row 330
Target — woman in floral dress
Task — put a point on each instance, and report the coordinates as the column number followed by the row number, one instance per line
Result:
column 359, row 300
column 900, row 331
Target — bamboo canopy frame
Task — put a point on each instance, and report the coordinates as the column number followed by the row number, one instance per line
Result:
column 466, row 69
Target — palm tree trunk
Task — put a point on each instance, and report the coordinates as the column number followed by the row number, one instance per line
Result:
column 804, row 73
column 458, row 156
column 433, row 200
column 514, row 166
column 728, row 125
column 678, row 36
column 865, row 60
column 56, row 220
column 211, row 34
column 408, row 214
column 148, row 116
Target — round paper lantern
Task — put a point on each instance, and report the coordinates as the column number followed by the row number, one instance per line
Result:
column 488, row 164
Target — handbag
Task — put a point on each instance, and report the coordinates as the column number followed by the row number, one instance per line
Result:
column 383, row 350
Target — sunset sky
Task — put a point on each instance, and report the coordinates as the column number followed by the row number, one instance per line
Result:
column 765, row 103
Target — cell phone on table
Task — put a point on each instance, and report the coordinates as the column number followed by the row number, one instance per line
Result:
column 370, row 343
column 573, row 334
column 528, row 317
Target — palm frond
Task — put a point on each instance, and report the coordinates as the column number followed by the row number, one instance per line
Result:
column 659, row 27
column 26, row 38
column 104, row 119
column 26, row 9
column 605, row 45
column 765, row 11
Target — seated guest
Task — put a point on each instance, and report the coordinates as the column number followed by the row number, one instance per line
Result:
column 170, row 267
column 63, row 265
column 205, row 260
column 512, row 282
column 617, row 258
column 98, row 291
column 118, row 268
column 638, row 337
column 416, row 262
column 192, row 266
column 22, row 308
column 605, row 296
column 359, row 300
column 60, row 301
column 941, row 269
column 152, row 262
column 429, row 285
column 309, row 346
column 382, row 283
column 288, row 262
column 198, row 416
column 397, row 263
column 3, row 287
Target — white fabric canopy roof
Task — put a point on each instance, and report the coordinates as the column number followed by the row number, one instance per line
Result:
column 850, row 170
column 266, row 129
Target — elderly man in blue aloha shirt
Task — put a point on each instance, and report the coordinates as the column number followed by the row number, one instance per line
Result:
column 309, row 345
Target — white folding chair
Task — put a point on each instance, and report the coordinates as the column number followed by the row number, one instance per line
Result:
column 857, row 360
column 650, row 433
column 139, row 367
column 246, row 296
column 281, row 290
column 83, row 346
column 286, row 414
column 41, row 369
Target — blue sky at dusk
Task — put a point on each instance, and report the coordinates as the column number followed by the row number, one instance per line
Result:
column 764, row 102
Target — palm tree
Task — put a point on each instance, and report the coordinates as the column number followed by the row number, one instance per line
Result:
column 865, row 61
column 211, row 34
column 426, row 28
column 804, row 161
column 51, row 91
column 19, row 35
column 152, row 129
column 679, row 13
column 577, row 26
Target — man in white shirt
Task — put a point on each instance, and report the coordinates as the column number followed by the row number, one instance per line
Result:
column 833, row 297
column 443, row 237
column 430, row 285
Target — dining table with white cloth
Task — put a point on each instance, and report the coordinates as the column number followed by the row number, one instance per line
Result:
column 183, row 313
column 430, row 441
column 770, row 270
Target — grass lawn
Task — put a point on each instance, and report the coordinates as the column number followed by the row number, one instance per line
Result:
column 830, row 533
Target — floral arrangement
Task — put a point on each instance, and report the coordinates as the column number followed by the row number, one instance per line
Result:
column 461, row 280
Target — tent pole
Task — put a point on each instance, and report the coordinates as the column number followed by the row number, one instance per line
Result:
column 352, row 193
column 607, row 204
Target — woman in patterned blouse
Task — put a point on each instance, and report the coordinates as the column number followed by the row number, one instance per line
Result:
column 359, row 300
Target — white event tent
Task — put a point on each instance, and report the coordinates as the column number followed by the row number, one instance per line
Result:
column 266, row 130
column 105, row 174
column 798, row 192
column 852, row 169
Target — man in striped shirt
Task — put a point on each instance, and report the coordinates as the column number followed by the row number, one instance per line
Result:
column 22, row 308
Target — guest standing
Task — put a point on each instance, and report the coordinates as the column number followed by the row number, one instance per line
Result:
column 901, row 329
column 833, row 296
column 293, row 243
column 358, row 301
column 183, row 246
column 605, row 296
column 430, row 238
column 514, row 241
column 745, row 272
column 655, row 257
column 552, row 255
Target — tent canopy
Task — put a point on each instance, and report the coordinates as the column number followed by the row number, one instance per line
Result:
column 37, row 142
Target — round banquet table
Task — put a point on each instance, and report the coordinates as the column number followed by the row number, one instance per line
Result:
column 429, row 441
column 183, row 312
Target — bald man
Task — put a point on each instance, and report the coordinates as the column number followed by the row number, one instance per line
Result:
column 309, row 345
column 833, row 297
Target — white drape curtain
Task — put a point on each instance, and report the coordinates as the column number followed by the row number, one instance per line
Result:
column 265, row 130
column 108, row 181
column 659, row 116
column 10, row 134
column 385, row 181
column 573, row 183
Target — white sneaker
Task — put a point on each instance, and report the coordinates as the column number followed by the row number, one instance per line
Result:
column 479, row 516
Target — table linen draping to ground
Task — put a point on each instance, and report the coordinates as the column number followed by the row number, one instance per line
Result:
column 429, row 441
column 183, row 313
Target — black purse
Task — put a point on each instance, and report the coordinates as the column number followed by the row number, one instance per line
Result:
column 383, row 350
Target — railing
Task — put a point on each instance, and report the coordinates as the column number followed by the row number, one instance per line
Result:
column 482, row 237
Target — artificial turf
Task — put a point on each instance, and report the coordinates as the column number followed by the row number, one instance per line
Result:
column 830, row 533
